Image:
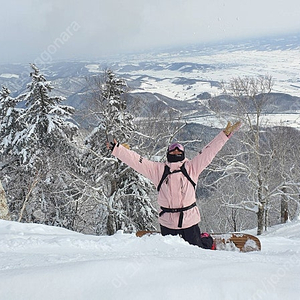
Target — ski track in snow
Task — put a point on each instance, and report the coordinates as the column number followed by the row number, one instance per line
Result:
column 44, row 262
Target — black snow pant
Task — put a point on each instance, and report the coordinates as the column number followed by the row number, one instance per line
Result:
column 192, row 235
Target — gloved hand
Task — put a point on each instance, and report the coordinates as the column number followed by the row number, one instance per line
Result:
column 230, row 129
column 111, row 145
column 126, row 145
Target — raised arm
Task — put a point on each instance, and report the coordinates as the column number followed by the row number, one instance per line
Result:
column 205, row 157
column 147, row 168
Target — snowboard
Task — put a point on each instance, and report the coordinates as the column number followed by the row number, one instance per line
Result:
column 235, row 241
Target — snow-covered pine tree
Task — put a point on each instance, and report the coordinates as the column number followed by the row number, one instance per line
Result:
column 123, row 196
column 47, row 122
column 9, row 120
column 46, row 153
column 13, row 179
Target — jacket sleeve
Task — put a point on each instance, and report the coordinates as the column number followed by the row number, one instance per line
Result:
column 205, row 157
column 147, row 168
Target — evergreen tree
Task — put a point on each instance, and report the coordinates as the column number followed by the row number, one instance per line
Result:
column 11, row 173
column 123, row 195
column 45, row 154
column 47, row 124
column 9, row 120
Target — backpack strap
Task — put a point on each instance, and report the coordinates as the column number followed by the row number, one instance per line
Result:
column 164, row 176
column 185, row 173
column 168, row 172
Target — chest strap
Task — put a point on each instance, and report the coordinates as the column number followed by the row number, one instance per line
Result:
column 175, row 210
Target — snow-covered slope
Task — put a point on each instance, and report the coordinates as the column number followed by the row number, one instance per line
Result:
column 183, row 74
column 43, row 262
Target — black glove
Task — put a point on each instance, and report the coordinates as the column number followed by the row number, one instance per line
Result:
column 110, row 145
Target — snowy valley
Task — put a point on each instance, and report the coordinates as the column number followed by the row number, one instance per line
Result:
column 181, row 78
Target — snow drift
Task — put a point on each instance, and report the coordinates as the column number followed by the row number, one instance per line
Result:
column 43, row 262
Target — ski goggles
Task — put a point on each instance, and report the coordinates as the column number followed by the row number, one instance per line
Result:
column 172, row 147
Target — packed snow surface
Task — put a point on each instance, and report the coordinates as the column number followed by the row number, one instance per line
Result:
column 44, row 262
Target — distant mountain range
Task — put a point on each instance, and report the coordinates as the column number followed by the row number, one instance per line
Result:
column 182, row 79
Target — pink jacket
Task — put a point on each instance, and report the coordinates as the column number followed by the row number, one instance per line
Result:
column 176, row 191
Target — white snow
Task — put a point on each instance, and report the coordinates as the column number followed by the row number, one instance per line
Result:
column 44, row 262
column 93, row 68
column 8, row 75
column 282, row 65
column 216, row 121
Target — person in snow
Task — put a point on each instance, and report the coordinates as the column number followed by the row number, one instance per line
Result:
column 175, row 181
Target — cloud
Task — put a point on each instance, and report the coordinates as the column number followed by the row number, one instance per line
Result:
column 30, row 27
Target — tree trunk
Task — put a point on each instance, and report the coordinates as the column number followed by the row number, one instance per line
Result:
column 266, row 217
column 111, row 228
column 261, row 208
column 4, row 211
column 260, row 218
column 284, row 207
column 234, row 219
column 111, row 222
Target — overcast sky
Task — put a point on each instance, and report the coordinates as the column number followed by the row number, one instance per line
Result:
column 59, row 29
